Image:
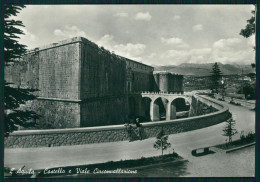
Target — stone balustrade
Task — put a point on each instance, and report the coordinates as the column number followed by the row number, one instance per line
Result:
column 161, row 93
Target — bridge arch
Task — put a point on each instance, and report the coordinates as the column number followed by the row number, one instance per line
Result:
column 167, row 105
column 183, row 97
column 146, row 105
column 179, row 107
column 159, row 109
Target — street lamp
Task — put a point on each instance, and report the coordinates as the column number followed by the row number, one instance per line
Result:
column 223, row 88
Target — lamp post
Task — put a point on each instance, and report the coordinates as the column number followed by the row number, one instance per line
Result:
column 223, row 89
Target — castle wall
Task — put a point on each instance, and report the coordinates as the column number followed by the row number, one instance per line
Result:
column 101, row 74
column 103, row 111
column 168, row 82
column 57, row 114
column 142, row 78
column 164, row 82
column 139, row 78
column 156, row 82
column 201, row 107
column 102, row 86
column 53, row 70
column 83, row 85
column 141, row 82
column 59, row 72
column 24, row 74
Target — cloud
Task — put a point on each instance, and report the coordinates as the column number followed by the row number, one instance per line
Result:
column 200, row 55
column 226, row 51
column 176, row 55
column 106, row 41
column 175, row 41
column 69, row 31
column 187, row 56
column 107, row 37
column 229, row 43
column 176, row 17
column 197, row 28
column 28, row 35
column 151, row 56
column 229, row 57
column 233, row 50
column 143, row 16
column 128, row 50
column 28, row 38
column 251, row 41
column 59, row 32
column 121, row 14
column 202, row 51
column 100, row 23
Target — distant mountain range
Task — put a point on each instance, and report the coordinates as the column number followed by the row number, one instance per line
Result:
column 205, row 69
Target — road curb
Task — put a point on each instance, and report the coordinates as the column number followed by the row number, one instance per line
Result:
column 238, row 148
column 163, row 163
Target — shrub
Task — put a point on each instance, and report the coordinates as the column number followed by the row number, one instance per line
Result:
column 247, row 138
column 234, row 103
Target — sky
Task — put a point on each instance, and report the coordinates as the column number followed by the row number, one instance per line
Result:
column 151, row 34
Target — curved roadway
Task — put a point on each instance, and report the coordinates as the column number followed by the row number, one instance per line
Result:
column 218, row 164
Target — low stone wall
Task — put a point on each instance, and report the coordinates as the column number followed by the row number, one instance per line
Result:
column 60, row 137
column 79, row 136
column 200, row 106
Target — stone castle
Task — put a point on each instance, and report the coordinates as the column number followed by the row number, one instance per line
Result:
column 80, row 84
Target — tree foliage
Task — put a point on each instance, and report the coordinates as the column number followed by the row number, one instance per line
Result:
column 249, row 30
column 15, row 98
column 162, row 142
column 253, row 65
column 247, row 89
column 250, row 27
column 13, row 50
column 215, row 78
column 229, row 130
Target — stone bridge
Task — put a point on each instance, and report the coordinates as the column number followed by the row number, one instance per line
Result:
column 168, row 100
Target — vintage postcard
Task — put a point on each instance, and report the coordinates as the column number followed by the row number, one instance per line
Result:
column 129, row 91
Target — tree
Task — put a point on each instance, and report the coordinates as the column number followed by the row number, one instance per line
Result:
column 14, row 96
column 250, row 27
column 249, row 30
column 249, row 91
column 253, row 65
column 215, row 78
column 161, row 142
column 229, row 129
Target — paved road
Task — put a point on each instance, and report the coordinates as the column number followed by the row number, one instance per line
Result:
column 240, row 163
column 183, row 143
column 246, row 103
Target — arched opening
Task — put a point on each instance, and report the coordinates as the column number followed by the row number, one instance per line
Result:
column 180, row 108
column 159, row 109
column 146, row 103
